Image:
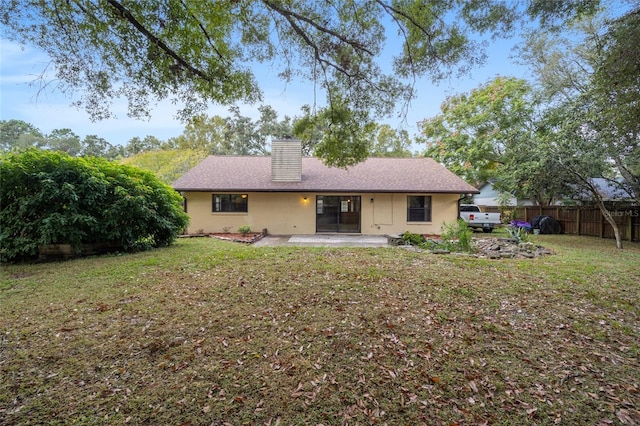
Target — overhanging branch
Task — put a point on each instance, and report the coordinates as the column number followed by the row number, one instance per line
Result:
column 126, row 14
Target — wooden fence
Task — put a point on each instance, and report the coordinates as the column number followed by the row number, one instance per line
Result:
column 586, row 220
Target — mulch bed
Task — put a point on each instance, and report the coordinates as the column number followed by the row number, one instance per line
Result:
column 249, row 238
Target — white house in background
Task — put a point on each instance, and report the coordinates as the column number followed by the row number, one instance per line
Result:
column 490, row 197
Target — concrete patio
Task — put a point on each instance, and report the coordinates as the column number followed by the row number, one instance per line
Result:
column 324, row 240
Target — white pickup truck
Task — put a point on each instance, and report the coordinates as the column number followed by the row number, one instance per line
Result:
column 478, row 219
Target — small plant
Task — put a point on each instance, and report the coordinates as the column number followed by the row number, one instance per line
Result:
column 200, row 231
column 226, row 229
column 410, row 238
column 518, row 233
column 458, row 234
column 244, row 229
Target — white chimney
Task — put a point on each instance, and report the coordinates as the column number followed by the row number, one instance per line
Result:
column 286, row 161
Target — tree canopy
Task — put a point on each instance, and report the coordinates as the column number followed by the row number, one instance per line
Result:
column 575, row 123
column 475, row 131
column 198, row 52
column 17, row 135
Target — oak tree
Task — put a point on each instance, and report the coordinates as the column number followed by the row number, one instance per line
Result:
column 365, row 55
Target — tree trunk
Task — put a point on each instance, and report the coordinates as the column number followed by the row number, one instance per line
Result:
column 612, row 222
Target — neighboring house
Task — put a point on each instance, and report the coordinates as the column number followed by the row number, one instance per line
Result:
column 288, row 194
column 488, row 196
column 611, row 192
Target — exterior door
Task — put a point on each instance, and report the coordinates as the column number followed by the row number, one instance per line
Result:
column 338, row 213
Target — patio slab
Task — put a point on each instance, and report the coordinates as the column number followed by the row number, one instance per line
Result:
column 327, row 240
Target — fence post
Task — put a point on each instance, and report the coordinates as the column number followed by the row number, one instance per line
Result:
column 577, row 221
column 601, row 225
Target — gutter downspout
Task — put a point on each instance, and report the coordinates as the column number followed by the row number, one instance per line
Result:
column 462, row 196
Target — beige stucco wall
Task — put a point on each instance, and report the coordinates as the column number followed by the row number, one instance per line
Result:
column 290, row 213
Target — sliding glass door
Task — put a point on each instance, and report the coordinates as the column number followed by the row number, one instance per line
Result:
column 338, row 213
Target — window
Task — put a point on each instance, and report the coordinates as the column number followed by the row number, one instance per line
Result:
column 229, row 203
column 418, row 208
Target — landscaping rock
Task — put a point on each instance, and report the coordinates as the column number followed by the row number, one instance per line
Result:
column 507, row 248
column 440, row 251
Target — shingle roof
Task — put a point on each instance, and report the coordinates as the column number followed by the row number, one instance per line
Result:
column 253, row 174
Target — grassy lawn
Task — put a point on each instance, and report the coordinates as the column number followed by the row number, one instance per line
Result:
column 208, row 332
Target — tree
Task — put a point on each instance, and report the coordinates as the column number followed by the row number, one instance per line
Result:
column 332, row 135
column 590, row 77
column 495, row 133
column 271, row 127
column 203, row 133
column 137, row 145
column 200, row 52
column 241, row 135
column 616, row 83
column 475, row 130
column 53, row 198
column 167, row 165
column 234, row 135
column 93, row 145
column 64, row 140
column 581, row 155
column 308, row 130
column 596, row 59
column 17, row 134
column 388, row 142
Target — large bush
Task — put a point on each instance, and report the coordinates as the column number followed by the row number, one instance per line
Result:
column 52, row 198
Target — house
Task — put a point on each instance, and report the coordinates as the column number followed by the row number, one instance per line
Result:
column 489, row 196
column 288, row 194
column 612, row 191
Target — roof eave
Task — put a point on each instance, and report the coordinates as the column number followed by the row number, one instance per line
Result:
column 368, row 190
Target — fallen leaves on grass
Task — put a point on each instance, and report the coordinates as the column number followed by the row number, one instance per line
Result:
column 322, row 336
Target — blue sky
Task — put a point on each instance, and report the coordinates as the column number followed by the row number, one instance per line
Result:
column 46, row 108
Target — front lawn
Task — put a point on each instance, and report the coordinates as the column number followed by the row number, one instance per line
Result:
column 207, row 332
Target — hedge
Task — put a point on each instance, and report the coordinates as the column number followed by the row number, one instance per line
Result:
column 52, row 198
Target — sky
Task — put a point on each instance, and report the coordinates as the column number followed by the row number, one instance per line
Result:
column 22, row 98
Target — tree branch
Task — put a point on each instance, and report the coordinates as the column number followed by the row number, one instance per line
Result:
column 206, row 34
column 126, row 14
column 289, row 14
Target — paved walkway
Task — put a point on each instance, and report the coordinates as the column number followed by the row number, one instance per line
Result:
column 324, row 240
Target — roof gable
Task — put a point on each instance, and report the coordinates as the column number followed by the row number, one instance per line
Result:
column 253, row 174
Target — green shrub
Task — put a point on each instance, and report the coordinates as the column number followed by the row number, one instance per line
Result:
column 410, row 238
column 52, row 198
column 244, row 229
column 458, row 235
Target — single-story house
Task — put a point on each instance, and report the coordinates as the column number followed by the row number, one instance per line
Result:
column 290, row 194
